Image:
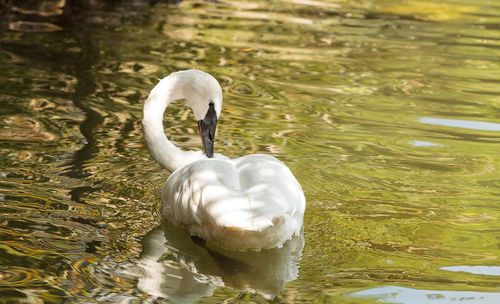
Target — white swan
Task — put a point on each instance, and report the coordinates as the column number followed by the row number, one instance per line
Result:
column 251, row 202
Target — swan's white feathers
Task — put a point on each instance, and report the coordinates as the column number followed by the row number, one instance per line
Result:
column 252, row 202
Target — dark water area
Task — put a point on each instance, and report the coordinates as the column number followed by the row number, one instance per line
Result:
column 387, row 112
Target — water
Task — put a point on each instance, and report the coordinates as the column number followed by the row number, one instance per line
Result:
column 387, row 112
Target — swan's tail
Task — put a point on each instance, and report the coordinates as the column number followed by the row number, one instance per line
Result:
column 269, row 233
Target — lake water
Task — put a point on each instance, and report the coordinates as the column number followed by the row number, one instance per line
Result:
column 387, row 112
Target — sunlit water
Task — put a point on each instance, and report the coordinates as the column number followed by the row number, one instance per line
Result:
column 388, row 113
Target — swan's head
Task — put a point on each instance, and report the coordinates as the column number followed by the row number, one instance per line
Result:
column 203, row 94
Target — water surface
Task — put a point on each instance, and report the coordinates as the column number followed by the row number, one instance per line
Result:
column 387, row 112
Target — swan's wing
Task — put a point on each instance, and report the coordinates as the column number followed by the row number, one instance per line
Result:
column 201, row 193
column 233, row 202
column 269, row 182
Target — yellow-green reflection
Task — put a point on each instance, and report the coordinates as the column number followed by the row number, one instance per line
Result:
column 387, row 112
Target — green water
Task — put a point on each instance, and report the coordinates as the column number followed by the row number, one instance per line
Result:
column 387, row 112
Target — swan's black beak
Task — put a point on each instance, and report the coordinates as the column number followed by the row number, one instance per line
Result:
column 207, row 130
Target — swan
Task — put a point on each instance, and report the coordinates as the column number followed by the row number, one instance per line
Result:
column 251, row 202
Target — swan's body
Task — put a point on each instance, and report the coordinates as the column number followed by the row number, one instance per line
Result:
column 251, row 202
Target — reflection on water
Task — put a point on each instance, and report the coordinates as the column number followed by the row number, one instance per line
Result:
column 484, row 270
column 421, row 143
column 396, row 294
column 387, row 113
column 174, row 267
column 457, row 123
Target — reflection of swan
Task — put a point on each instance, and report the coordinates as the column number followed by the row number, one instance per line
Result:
column 174, row 267
column 249, row 202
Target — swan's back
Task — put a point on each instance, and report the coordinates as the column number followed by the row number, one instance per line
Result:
column 252, row 202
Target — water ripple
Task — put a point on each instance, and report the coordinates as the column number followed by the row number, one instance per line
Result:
column 386, row 112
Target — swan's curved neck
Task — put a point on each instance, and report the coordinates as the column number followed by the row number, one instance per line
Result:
column 161, row 149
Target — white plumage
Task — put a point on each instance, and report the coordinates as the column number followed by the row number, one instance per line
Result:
column 251, row 202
